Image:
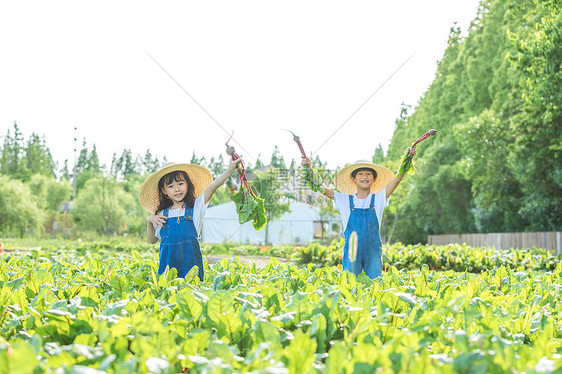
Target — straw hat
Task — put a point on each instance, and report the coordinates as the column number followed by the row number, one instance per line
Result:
column 345, row 184
column 148, row 194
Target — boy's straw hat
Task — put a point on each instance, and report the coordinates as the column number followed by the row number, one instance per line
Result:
column 148, row 194
column 345, row 184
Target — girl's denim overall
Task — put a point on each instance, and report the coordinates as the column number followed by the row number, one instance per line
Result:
column 369, row 248
column 179, row 245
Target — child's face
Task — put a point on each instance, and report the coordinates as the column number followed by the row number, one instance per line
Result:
column 176, row 190
column 364, row 180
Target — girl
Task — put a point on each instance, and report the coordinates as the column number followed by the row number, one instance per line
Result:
column 178, row 195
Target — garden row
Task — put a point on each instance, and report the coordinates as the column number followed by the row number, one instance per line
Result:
column 409, row 257
column 106, row 310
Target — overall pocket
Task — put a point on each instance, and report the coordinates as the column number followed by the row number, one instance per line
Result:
column 165, row 232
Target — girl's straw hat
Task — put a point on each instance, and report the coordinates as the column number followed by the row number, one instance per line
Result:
column 345, row 184
column 149, row 195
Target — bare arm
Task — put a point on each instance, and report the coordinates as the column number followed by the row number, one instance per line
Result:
column 328, row 192
column 391, row 186
column 219, row 181
column 152, row 220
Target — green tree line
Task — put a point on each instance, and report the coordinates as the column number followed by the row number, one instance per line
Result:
column 38, row 197
column 497, row 99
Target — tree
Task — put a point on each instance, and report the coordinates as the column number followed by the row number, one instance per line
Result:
column 114, row 168
column 222, row 195
column 19, row 214
column 259, row 163
column 94, row 162
column 65, row 171
column 216, row 167
column 48, row 194
column 497, row 100
column 220, row 166
column 277, row 159
column 57, row 193
column 38, row 186
column 194, row 159
column 496, row 190
column 127, row 163
column 536, row 152
column 135, row 219
column 378, row 157
column 12, row 153
column 37, row 157
column 101, row 206
column 149, row 164
column 82, row 162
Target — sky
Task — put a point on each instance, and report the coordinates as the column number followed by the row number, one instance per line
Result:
column 177, row 77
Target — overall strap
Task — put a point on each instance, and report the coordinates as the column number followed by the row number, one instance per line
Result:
column 166, row 212
column 372, row 202
column 351, row 205
column 188, row 214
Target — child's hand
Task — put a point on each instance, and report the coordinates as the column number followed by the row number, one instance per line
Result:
column 305, row 161
column 412, row 150
column 157, row 220
column 233, row 164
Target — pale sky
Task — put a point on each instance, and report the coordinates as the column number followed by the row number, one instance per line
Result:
column 256, row 67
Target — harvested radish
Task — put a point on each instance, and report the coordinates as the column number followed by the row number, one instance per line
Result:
column 352, row 246
column 407, row 160
column 313, row 180
column 249, row 206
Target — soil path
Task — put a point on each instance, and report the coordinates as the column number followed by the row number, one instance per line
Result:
column 260, row 261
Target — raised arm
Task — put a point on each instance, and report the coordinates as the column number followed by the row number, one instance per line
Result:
column 219, row 181
column 391, row 186
column 328, row 192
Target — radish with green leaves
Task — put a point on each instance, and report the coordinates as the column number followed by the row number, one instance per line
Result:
column 313, row 180
column 407, row 160
column 249, row 206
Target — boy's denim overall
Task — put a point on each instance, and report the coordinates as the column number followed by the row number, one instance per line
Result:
column 369, row 248
column 179, row 245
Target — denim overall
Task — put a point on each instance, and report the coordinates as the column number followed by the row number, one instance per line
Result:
column 369, row 248
column 179, row 246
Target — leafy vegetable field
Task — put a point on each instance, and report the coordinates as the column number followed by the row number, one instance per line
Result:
column 89, row 311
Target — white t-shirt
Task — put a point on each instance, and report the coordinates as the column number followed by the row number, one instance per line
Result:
column 199, row 210
column 341, row 203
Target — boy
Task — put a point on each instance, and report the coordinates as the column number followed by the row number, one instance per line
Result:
column 365, row 188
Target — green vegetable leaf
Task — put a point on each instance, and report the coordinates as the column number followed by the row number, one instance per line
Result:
column 250, row 208
column 406, row 164
column 312, row 179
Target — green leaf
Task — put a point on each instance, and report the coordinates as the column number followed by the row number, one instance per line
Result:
column 190, row 307
column 23, row 358
column 312, row 179
column 250, row 208
column 406, row 165
column 220, row 303
column 266, row 332
column 298, row 356
column 15, row 283
column 229, row 327
column 336, row 359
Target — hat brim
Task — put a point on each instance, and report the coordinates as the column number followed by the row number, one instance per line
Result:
column 149, row 194
column 345, row 184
